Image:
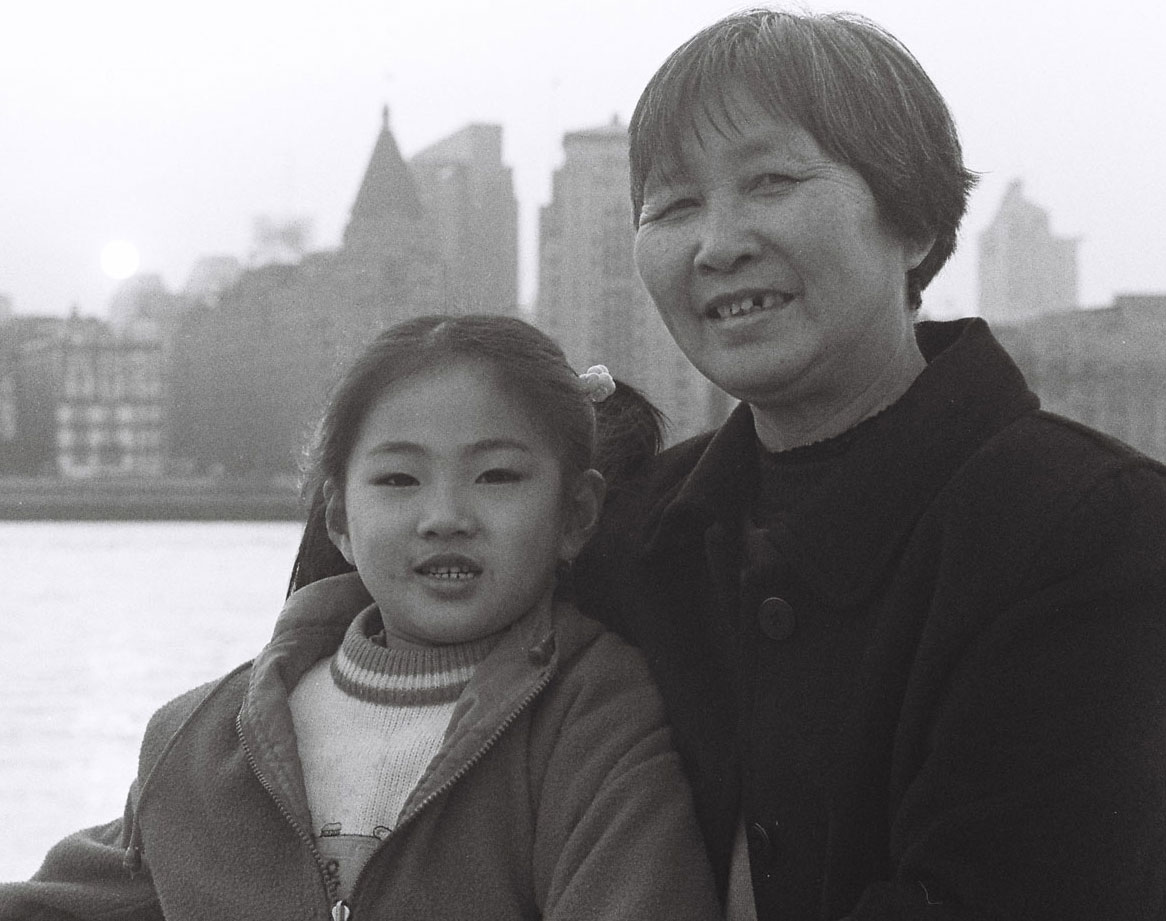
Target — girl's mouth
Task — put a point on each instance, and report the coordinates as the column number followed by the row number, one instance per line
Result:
column 450, row 573
column 449, row 567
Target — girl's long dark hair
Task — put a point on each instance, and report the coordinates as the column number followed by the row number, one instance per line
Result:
column 615, row 436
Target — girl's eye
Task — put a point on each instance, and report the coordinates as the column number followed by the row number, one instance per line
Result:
column 394, row 479
column 499, row 475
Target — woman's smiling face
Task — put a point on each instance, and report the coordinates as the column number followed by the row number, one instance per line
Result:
column 770, row 264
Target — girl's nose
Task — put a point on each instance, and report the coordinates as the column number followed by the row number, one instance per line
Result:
column 444, row 513
column 726, row 241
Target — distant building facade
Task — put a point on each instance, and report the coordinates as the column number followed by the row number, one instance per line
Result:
column 81, row 398
column 1105, row 368
column 143, row 297
column 255, row 364
column 10, row 444
column 26, row 417
column 469, row 192
column 210, row 278
column 1024, row 269
column 590, row 297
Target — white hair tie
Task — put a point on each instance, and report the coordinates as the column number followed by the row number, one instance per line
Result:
column 598, row 383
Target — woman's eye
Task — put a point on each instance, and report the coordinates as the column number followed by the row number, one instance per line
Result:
column 394, row 479
column 499, row 475
column 666, row 208
column 770, row 182
column 681, row 205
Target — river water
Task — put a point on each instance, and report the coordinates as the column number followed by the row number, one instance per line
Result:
column 101, row 623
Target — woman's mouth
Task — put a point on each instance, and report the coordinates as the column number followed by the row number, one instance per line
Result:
column 724, row 308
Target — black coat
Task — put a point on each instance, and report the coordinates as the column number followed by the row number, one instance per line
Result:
column 955, row 707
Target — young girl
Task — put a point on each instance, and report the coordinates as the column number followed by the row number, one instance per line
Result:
column 432, row 735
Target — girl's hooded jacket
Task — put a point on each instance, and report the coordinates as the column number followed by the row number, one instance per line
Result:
column 556, row 794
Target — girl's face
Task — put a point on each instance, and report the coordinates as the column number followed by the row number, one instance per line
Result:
column 455, row 511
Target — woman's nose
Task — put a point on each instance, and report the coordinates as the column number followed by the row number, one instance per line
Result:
column 445, row 513
column 726, row 241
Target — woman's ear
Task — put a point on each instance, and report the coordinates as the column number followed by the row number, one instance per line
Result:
column 916, row 251
column 584, row 503
column 336, row 520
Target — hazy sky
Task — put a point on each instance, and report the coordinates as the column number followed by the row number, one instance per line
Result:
column 175, row 126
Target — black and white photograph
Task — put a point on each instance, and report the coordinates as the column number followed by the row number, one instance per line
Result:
column 583, row 459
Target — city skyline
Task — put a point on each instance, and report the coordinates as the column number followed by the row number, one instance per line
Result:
column 178, row 147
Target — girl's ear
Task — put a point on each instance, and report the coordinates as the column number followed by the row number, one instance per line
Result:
column 336, row 520
column 584, row 503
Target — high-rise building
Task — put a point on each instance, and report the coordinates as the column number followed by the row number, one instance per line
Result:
column 1025, row 270
column 590, row 297
column 469, row 192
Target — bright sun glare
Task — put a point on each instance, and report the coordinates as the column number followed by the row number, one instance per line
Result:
column 119, row 259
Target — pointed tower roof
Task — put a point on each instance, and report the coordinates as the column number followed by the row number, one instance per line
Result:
column 387, row 192
column 1016, row 209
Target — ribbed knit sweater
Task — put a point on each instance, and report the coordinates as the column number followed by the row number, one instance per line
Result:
column 368, row 721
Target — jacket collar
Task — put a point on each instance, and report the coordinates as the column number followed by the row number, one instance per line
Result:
column 841, row 537
column 716, row 489
column 312, row 626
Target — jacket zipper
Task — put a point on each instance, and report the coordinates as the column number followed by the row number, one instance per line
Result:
column 339, row 908
column 461, row 772
column 505, row 724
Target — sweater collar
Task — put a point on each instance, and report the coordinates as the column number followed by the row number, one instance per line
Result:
column 840, row 537
column 402, row 675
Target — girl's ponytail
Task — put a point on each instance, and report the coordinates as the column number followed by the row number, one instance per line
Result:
column 629, row 430
column 317, row 557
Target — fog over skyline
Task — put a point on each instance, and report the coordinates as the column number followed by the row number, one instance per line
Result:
column 176, row 127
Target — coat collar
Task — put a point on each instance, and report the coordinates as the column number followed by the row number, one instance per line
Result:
column 715, row 489
column 311, row 627
column 841, row 537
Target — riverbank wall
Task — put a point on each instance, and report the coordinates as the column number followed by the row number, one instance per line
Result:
column 146, row 499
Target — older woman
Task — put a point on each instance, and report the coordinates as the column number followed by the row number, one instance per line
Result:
column 911, row 629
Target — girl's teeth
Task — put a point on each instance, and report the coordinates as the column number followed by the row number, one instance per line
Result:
column 451, row 573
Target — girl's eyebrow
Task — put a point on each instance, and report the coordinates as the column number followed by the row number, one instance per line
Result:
column 397, row 447
column 499, row 444
column 478, row 447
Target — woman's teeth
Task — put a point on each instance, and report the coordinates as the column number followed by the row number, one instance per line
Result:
column 747, row 305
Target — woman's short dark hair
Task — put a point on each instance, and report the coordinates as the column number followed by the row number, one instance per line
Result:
column 528, row 363
column 850, row 84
